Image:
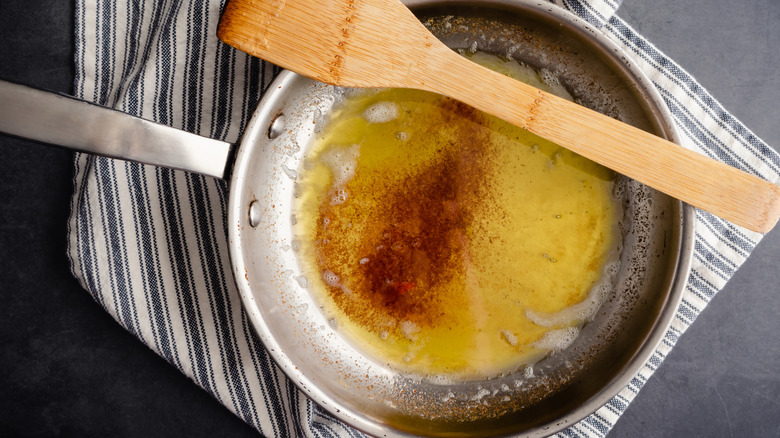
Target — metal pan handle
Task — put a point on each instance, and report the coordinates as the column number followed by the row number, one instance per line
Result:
column 85, row 127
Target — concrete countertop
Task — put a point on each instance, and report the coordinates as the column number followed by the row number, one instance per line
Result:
column 66, row 368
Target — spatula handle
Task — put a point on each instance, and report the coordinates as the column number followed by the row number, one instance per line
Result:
column 710, row 185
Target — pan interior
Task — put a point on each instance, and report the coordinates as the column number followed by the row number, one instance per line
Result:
column 446, row 242
column 556, row 391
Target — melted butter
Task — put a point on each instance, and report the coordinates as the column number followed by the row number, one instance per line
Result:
column 439, row 234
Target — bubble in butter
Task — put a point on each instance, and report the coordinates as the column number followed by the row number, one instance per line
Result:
column 447, row 242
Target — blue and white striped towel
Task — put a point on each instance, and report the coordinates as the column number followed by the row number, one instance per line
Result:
column 150, row 244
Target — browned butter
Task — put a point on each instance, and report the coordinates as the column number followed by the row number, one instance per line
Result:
column 445, row 241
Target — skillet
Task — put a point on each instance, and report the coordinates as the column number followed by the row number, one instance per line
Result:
column 261, row 174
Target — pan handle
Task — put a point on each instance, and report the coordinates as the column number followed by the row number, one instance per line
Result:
column 86, row 127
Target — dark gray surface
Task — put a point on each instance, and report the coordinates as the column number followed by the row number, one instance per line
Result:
column 723, row 377
column 66, row 368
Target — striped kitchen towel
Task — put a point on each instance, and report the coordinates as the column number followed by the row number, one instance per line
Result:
column 150, row 244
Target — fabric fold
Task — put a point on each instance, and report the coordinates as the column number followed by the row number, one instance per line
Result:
column 150, row 244
column 596, row 12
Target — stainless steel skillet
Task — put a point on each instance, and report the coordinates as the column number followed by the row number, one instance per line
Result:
column 261, row 170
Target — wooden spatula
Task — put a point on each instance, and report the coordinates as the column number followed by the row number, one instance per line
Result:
column 380, row 43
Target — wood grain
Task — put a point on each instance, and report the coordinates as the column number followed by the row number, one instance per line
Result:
column 380, row 43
